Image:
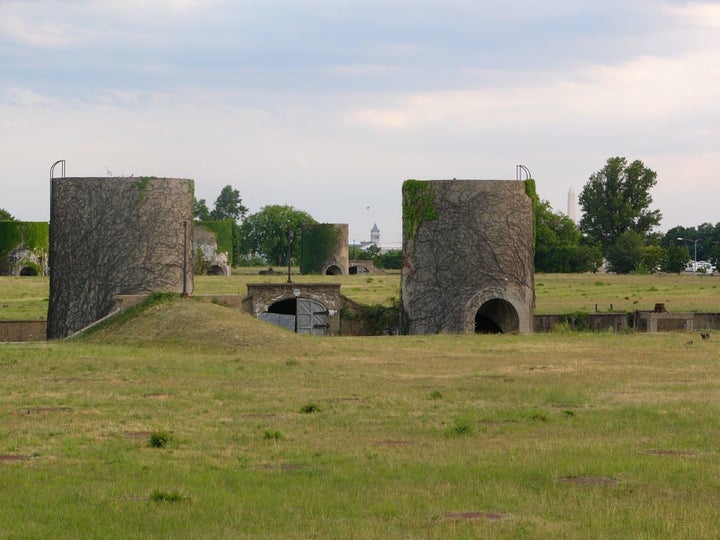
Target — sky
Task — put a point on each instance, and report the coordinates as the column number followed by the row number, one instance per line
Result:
column 329, row 105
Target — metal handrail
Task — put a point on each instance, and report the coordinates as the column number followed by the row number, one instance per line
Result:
column 62, row 169
column 519, row 170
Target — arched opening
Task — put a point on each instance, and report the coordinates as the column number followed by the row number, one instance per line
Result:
column 357, row 269
column 333, row 270
column 215, row 270
column 496, row 316
column 28, row 271
column 284, row 307
column 301, row 315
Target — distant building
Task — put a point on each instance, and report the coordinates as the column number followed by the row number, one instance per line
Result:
column 375, row 241
column 375, row 235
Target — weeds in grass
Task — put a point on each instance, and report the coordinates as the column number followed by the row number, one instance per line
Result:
column 273, row 434
column 436, row 394
column 160, row 496
column 159, row 439
column 291, row 362
column 461, row 426
column 309, row 408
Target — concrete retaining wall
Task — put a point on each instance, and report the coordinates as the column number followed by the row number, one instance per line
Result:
column 17, row 331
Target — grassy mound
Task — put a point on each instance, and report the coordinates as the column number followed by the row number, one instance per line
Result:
column 169, row 320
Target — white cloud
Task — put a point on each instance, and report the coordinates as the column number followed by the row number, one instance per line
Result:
column 23, row 97
column 702, row 14
column 38, row 32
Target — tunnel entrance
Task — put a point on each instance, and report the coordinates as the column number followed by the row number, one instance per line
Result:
column 28, row 271
column 301, row 315
column 333, row 270
column 496, row 316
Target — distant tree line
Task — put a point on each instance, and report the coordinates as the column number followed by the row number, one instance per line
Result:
column 617, row 228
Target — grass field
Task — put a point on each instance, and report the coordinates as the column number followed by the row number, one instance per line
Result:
column 190, row 420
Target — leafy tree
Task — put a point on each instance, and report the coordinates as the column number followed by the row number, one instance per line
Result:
column 265, row 233
column 372, row 252
column 559, row 246
column 356, row 253
column 653, row 257
column 617, row 199
column 5, row 215
column 390, row 260
column 201, row 210
column 626, row 253
column 715, row 256
column 228, row 205
column 676, row 258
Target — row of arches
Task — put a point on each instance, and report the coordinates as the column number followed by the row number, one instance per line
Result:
column 335, row 270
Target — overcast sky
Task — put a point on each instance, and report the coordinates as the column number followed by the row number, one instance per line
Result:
column 328, row 105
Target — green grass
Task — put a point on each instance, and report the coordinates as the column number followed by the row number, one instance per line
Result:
column 563, row 436
column 24, row 298
column 565, row 293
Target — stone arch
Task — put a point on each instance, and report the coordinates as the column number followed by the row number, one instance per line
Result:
column 333, row 270
column 28, row 271
column 216, row 270
column 359, row 269
column 495, row 311
column 496, row 316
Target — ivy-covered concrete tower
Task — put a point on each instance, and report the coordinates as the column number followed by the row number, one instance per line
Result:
column 468, row 248
column 111, row 236
column 324, row 249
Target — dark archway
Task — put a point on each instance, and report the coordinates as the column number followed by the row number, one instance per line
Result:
column 284, row 307
column 301, row 315
column 333, row 270
column 496, row 316
column 215, row 270
column 28, row 271
column 357, row 269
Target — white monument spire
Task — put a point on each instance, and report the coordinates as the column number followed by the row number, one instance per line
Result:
column 571, row 205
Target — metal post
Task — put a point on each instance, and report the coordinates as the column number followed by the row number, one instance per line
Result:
column 289, row 253
column 185, row 257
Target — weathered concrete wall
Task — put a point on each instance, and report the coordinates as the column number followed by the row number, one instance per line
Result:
column 467, row 256
column 16, row 331
column 207, row 258
column 111, row 236
column 596, row 322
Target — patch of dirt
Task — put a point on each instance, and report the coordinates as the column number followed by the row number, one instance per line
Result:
column 685, row 453
column 43, row 410
column 12, row 457
column 257, row 415
column 590, row 481
column 390, row 442
column 473, row 516
column 137, row 434
column 161, row 397
column 282, row 467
